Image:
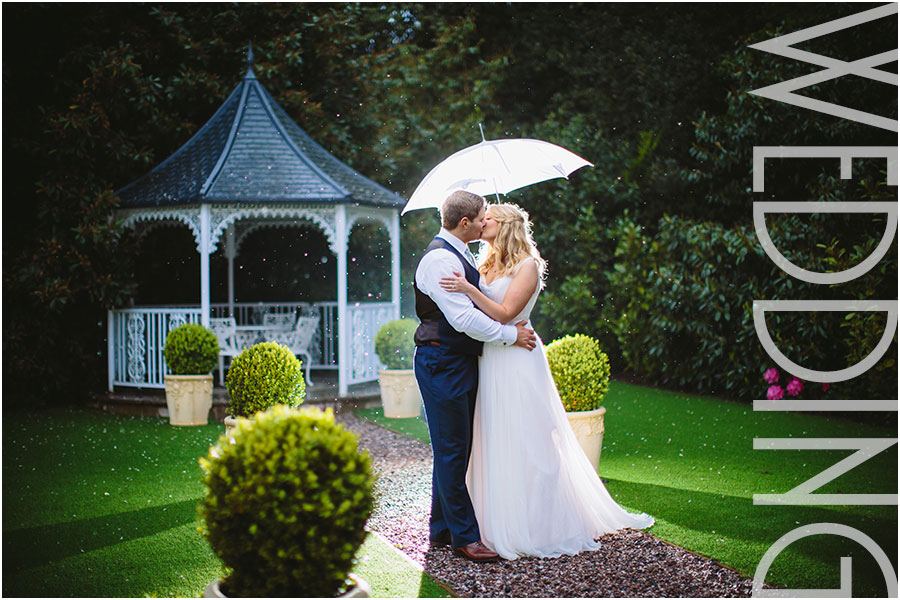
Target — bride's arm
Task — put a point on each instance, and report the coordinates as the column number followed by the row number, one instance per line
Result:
column 517, row 295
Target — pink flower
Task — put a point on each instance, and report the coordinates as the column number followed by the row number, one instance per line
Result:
column 775, row 393
column 771, row 375
column 825, row 387
column 794, row 387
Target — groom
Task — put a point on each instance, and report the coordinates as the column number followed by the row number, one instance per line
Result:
column 448, row 344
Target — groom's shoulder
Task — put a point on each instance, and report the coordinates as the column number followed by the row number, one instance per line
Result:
column 438, row 258
column 436, row 253
column 436, row 242
column 438, row 247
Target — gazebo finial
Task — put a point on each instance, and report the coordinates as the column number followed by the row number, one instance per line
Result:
column 250, row 72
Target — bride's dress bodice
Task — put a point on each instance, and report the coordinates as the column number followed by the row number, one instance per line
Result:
column 496, row 290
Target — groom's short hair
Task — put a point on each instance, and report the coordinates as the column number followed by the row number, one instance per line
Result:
column 460, row 204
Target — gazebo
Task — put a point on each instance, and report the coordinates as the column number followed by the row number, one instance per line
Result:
column 252, row 166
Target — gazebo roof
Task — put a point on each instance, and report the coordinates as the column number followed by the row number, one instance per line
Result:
column 251, row 151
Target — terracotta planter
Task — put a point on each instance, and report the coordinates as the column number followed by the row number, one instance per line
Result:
column 360, row 589
column 588, row 428
column 400, row 394
column 189, row 398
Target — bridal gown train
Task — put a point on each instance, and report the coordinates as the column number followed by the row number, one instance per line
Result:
column 534, row 490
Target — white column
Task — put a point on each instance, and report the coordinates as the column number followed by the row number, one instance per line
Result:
column 204, row 264
column 343, row 324
column 395, row 262
column 229, row 253
column 111, row 347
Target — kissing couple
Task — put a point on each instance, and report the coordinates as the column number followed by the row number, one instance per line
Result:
column 509, row 478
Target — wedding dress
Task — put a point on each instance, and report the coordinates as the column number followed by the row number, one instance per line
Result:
column 534, row 490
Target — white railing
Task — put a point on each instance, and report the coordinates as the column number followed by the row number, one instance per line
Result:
column 136, row 337
column 324, row 344
column 365, row 320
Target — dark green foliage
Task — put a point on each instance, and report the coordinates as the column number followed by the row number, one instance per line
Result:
column 580, row 370
column 287, row 502
column 191, row 349
column 368, row 263
column 261, row 376
column 654, row 95
column 680, row 293
column 394, row 344
column 108, row 94
column 684, row 298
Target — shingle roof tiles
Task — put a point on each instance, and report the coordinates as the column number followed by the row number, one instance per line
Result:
column 251, row 151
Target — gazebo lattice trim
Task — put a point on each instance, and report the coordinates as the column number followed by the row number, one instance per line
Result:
column 222, row 217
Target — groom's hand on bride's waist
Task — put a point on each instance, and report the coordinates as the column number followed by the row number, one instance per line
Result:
column 524, row 336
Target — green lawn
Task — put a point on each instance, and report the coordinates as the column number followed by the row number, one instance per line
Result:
column 102, row 505
column 689, row 461
column 413, row 427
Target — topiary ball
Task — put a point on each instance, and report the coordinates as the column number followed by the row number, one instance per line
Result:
column 394, row 344
column 580, row 370
column 191, row 349
column 264, row 375
column 287, row 500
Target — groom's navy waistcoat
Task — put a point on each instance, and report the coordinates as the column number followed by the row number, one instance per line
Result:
column 434, row 326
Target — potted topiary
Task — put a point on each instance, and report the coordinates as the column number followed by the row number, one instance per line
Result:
column 395, row 348
column 191, row 353
column 261, row 376
column 287, row 499
column 581, row 372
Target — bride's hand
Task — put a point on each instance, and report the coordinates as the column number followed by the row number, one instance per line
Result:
column 458, row 283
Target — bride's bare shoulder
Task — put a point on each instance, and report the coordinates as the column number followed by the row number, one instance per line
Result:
column 528, row 261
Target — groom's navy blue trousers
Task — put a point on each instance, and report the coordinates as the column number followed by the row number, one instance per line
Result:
column 449, row 382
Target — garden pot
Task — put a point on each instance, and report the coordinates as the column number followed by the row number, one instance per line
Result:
column 189, row 398
column 588, row 428
column 360, row 589
column 230, row 424
column 400, row 394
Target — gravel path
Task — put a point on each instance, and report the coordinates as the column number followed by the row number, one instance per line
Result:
column 630, row 563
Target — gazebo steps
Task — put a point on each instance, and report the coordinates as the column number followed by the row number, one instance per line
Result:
column 323, row 393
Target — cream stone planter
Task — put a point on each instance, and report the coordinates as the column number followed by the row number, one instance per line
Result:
column 588, row 428
column 230, row 424
column 360, row 589
column 400, row 394
column 189, row 398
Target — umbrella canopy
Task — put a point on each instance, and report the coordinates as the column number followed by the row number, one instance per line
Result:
column 494, row 167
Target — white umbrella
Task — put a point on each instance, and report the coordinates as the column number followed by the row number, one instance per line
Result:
column 494, row 167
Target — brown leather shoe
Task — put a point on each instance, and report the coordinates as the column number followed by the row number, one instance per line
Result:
column 477, row 552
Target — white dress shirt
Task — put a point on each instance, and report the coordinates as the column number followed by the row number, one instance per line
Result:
column 457, row 307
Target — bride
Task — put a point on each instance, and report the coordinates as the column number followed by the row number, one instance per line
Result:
column 533, row 489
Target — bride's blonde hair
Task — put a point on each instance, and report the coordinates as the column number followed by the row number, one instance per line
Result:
column 513, row 242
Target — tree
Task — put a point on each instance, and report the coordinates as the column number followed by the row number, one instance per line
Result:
column 654, row 96
column 681, row 293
